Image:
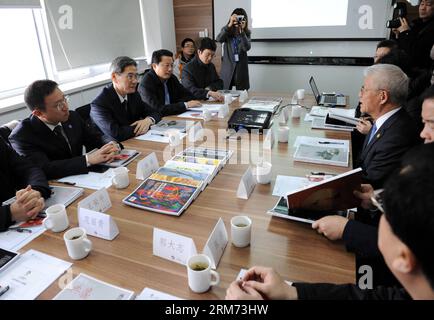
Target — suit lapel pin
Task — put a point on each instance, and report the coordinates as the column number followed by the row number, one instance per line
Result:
column 70, row 126
column 378, row 135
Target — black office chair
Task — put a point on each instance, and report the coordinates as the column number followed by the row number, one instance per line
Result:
column 6, row 129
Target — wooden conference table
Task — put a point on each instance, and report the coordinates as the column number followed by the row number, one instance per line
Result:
column 296, row 251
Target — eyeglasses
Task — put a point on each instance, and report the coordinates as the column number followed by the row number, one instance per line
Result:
column 130, row 76
column 377, row 200
column 62, row 103
column 363, row 89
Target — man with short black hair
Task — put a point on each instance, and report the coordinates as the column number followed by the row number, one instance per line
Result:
column 53, row 136
column 428, row 116
column 161, row 89
column 383, row 48
column 119, row 111
column 200, row 75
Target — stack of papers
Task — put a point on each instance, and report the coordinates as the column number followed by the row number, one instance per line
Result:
column 150, row 294
column 157, row 136
column 263, row 103
column 31, row 274
column 85, row 287
column 92, row 180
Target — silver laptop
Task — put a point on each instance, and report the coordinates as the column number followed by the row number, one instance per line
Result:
column 326, row 100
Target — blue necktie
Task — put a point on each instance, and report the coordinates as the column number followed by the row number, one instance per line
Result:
column 373, row 131
column 166, row 94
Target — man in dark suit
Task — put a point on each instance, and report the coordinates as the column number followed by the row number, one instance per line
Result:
column 200, row 76
column 405, row 239
column 53, row 137
column 119, row 111
column 161, row 89
column 25, row 181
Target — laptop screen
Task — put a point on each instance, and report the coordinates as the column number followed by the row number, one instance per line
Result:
column 314, row 89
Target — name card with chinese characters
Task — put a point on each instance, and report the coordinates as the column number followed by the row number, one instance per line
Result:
column 93, row 220
column 97, row 224
column 172, row 246
column 147, row 166
column 247, row 184
column 216, row 244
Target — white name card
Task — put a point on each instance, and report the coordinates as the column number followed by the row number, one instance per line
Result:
column 247, row 184
column 196, row 132
column 98, row 201
column 147, row 166
column 216, row 244
column 172, row 246
column 97, row 224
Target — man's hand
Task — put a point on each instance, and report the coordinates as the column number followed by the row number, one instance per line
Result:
column 404, row 25
column 28, row 204
column 364, row 126
column 104, row 154
column 194, row 104
column 232, row 20
column 142, row 126
column 217, row 96
column 332, row 227
column 238, row 291
column 365, row 195
column 268, row 283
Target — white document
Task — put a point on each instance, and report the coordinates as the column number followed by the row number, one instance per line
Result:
column 247, row 184
column 151, row 294
column 92, row 180
column 147, row 166
column 195, row 133
column 216, row 244
column 31, row 274
column 192, row 115
column 315, row 141
column 286, row 184
column 85, row 287
column 212, row 107
column 97, row 224
column 318, row 111
column 244, row 271
column 98, row 201
column 157, row 136
column 13, row 240
column 172, row 246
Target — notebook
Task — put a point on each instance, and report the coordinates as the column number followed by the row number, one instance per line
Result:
column 326, row 100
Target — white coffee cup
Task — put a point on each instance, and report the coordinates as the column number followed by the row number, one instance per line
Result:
column 174, row 138
column 241, row 231
column 200, row 273
column 296, row 111
column 283, row 134
column 228, row 98
column 77, row 243
column 57, row 219
column 120, row 179
column 207, row 114
column 300, row 94
column 263, row 173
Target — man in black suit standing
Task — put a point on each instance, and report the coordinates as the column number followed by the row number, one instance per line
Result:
column 161, row 89
column 119, row 111
column 25, row 181
column 200, row 76
column 53, row 137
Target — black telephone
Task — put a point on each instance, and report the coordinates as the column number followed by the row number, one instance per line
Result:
column 245, row 118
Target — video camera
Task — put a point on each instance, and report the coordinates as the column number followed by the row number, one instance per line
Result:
column 400, row 8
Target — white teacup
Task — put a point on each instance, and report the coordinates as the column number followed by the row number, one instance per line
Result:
column 120, row 179
column 263, row 173
column 300, row 94
column 283, row 135
column 77, row 243
column 57, row 219
column 200, row 273
column 296, row 111
column 241, row 231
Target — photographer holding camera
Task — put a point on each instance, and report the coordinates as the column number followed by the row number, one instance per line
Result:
column 235, row 39
column 417, row 38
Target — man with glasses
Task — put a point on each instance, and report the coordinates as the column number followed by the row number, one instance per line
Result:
column 161, row 89
column 119, row 111
column 53, row 136
column 200, row 76
column 405, row 239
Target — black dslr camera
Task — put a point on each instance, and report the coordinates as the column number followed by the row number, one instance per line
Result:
column 400, row 9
